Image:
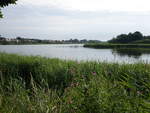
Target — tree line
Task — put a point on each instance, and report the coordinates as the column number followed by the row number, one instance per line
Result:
column 129, row 38
column 20, row 40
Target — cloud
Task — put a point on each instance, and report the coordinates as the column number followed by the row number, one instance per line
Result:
column 94, row 5
column 44, row 19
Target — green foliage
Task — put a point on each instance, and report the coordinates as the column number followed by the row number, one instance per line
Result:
column 110, row 45
column 42, row 85
column 4, row 3
column 1, row 14
column 144, row 41
column 127, row 38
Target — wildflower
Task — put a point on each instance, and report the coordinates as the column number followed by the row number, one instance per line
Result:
column 129, row 89
column 93, row 73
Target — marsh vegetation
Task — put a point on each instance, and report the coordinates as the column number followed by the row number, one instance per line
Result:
column 43, row 85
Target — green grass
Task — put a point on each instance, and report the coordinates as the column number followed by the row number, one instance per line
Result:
column 144, row 41
column 40, row 85
column 109, row 45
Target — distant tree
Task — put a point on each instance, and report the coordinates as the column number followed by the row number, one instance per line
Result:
column 146, row 37
column 127, row 38
column 75, row 41
column 83, row 41
column 18, row 38
column 4, row 3
column 137, row 35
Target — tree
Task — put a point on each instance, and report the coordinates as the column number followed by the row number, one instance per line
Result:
column 137, row 35
column 127, row 38
column 4, row 3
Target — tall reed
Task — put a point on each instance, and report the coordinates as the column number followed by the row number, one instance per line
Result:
column 31, row 84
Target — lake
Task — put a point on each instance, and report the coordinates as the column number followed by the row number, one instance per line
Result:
column 78, row 52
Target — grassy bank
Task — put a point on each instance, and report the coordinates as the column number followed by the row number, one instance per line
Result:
column 135, row 52
column 109, row 45
column 42, row 85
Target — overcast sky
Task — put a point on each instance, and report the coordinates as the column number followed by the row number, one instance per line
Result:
column 82, row 19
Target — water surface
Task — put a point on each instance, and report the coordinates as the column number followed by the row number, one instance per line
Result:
column 78, row 52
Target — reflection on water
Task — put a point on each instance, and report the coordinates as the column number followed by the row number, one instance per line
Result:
column 78, row 52
column 130, row 52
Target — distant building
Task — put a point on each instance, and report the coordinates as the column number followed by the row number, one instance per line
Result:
column 8, row 39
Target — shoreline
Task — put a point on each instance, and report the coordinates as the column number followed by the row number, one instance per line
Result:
column 116, row 46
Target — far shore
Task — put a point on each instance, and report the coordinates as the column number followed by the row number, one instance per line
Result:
column 109, row 46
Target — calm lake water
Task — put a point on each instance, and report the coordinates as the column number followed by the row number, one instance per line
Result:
column 78, row 52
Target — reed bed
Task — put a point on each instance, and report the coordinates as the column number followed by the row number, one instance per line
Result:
column 30, row 84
